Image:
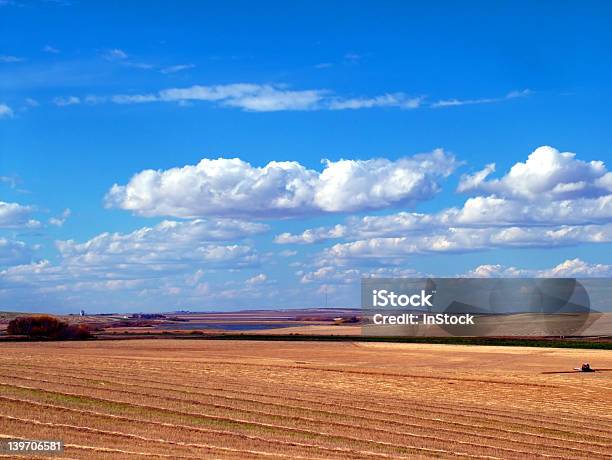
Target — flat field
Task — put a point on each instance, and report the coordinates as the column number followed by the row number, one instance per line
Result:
column 243, row 399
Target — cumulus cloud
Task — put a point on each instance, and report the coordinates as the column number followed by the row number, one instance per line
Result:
column 334, row 274
column 15, row 215
column 232, row 187
column 150, row 261
column 61, row 219
column 13, row 252
column 570, row 268
column 477, row 212
column 6, row 111
column 314, row 235
column 547, row 174
column 472, row 181
column 168, row 244
column 578, row 268
column 520, row 211
column 458, row 240
column 257, row 279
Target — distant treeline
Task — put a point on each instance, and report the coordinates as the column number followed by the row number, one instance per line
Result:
column 47, row 327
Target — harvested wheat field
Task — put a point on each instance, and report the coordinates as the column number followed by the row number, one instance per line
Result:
column 292, row 400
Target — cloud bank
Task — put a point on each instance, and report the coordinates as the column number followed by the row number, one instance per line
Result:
column 232, row 187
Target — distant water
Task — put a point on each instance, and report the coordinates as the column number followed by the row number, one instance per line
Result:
column 189, row 326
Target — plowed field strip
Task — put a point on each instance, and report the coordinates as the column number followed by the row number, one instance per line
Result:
column 532, row 417
column 468, row 434
column 144, row 393
column 578, row 452
column 149, row 440
column 226, row 449
column 308, row 432
column 354, row 453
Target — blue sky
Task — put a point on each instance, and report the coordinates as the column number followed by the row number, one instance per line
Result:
column 95, row 94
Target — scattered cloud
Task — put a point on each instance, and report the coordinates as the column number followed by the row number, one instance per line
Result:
column 232, row 187
column 176, row 68
column 66, row 101
column 14, row 252
column 15, row 215
column 7, row 59
column 139, row 65
column 5, row 111
column 323, row 65
column 168, row 246
column 51, row 49
column 31, row 102
column 115, row 54
column 570, row 268
column 253, row 97
column 547, row 174
column 151, row 265
column 462, row 240
column 257, row 279
column 249, row 97
column 532, row 206
column 61, row 219
column 387, row 100
column 459, row 102
column 352, row 57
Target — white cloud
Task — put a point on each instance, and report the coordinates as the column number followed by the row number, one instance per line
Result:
column 10, row 59
column 488, row 100
column 167, row 244
column 477, row 212
column 61, row 219
column 257, row 279
column 159, row 259
column 51, row 49
column 5, row 111
column 115, row 54
column 522, row 202
column 15, row 215
column 473, row 181
column 138, row 65
column 247, row 96
column 578, row 268
column 315, row 235
column 14, row 252
column 65, row 101
column 31, row 102
column 547, row 174
column 400, row 100
column 333, row 274
column 273, row 97
column 458, row 240
column 176, row 68
column 570, row 268
column 232, row 187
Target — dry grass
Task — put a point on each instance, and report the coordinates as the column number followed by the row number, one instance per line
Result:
column 242, row 400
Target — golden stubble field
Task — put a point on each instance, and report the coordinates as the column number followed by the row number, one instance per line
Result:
column 243, row 399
